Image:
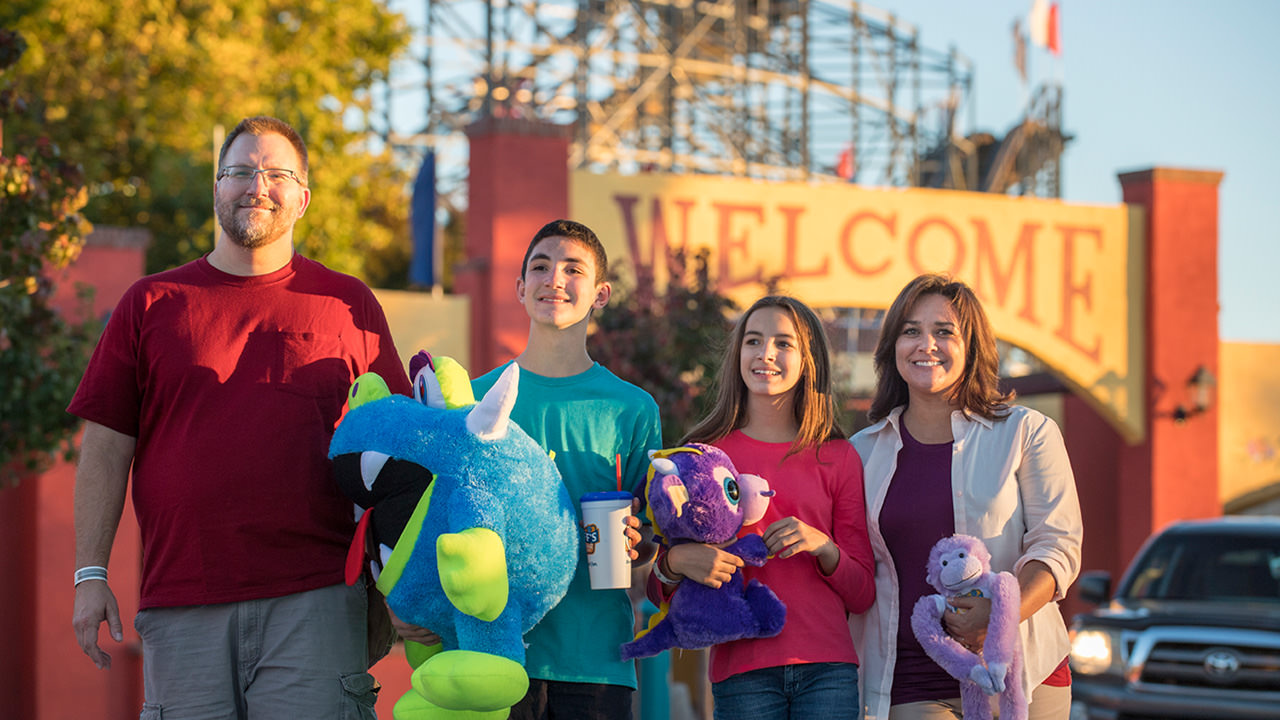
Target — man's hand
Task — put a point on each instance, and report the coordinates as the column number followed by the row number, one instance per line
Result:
column 95, row 603
column 413, row 633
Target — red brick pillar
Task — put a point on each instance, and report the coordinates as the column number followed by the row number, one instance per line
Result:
column 519, row 182
column 1174, row 475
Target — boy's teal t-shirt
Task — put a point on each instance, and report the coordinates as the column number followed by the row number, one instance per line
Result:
column 587, row 420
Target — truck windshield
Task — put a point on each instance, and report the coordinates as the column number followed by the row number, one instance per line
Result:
column 1226, row 568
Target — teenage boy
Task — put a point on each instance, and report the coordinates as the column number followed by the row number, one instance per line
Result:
column 594, row 422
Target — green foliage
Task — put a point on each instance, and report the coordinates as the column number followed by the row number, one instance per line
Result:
column 41, row 353
column 135, row 88
column 670, row 343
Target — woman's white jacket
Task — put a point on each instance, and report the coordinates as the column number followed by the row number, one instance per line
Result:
column 1012, row 487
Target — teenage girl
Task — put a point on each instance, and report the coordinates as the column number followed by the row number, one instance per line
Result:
column 775, row 417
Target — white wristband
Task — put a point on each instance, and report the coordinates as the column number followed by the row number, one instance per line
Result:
column 91, row 572
column 662, row 577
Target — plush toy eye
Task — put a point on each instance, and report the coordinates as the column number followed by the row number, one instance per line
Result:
column 420, row 388
column 731, row 490
column 961, row 556
column 944, row 563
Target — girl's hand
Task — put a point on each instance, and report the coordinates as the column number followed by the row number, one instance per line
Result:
column 968, row 622
column 704, row 564
column 790, row 536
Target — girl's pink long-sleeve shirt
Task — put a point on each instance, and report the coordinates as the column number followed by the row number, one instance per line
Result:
column 823, row 489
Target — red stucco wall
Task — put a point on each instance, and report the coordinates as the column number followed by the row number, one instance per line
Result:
column 519, row 182
column 1128, row 492
column 66, row 685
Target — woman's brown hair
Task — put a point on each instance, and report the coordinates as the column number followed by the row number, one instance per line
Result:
column 978, row 390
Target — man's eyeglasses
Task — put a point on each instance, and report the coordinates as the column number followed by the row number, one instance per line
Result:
column 243, row 175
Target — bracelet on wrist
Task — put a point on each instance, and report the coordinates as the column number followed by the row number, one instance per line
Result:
column 90, row 572
column 663, row 577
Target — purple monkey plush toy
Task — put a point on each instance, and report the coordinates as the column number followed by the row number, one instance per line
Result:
column 961, row 565
column 695, row 494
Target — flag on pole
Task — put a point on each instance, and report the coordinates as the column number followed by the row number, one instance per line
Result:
column 422, row 221
column 1042, row 25
column 1020, row 50
column 844, row 163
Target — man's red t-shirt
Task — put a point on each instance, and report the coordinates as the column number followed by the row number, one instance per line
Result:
column 233, row 387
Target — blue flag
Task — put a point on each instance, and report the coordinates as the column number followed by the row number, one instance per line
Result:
column 422, row 221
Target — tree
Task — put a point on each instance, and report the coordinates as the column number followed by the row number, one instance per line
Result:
column 136, row 89
column 41, row 353
column 671, row 343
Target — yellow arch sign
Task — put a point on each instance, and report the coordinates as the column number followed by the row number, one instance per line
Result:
column 1063, row 281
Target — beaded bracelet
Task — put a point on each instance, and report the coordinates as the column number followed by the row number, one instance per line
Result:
column 91, row 572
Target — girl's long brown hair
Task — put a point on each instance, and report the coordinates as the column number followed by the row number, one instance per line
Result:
column 978, row 390
column 814, row 404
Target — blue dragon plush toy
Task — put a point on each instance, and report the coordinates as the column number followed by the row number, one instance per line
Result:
column 695, row 494
column 490, row 542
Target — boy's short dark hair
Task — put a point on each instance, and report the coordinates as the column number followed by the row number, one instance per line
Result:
column 574, row 231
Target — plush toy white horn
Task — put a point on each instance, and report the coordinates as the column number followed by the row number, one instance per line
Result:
column 488, row 419
column 664, row 466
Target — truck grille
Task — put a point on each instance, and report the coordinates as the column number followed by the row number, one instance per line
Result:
column 1217, row 659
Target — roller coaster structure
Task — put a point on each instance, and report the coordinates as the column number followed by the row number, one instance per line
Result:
column 771, row 89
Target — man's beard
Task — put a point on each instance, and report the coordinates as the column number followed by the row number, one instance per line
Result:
column 250, row 229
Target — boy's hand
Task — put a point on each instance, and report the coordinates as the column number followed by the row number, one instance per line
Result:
column 639, row 545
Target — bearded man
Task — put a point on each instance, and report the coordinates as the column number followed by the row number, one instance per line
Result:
column 221, row 382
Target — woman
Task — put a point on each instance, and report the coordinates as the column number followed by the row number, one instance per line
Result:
column 947, row 454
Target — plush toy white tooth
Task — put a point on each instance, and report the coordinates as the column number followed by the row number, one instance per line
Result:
column 371, row 463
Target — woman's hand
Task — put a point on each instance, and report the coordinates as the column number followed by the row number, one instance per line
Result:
column 790, row 536
column 967, row 623
column 704, row 564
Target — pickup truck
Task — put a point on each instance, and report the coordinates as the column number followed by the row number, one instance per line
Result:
column 1192, row 631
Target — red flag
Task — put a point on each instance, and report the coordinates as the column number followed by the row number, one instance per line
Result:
column 1055, row 41
column 1042, row 25
column 844, row 163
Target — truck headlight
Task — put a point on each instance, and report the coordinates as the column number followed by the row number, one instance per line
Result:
column 1091, row 651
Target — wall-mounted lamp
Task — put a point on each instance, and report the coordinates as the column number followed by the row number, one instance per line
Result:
column 1200, row 390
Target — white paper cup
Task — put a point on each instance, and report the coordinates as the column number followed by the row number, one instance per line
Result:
column 604, row 533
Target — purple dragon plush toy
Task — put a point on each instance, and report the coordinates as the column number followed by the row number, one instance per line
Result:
column 961, row 565
column 695, row 494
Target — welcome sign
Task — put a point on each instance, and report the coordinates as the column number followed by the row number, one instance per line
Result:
column 1062, row 281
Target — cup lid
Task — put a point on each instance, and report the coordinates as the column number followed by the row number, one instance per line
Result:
column 609, row 495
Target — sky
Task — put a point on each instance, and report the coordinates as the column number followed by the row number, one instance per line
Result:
column 1147, row 83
